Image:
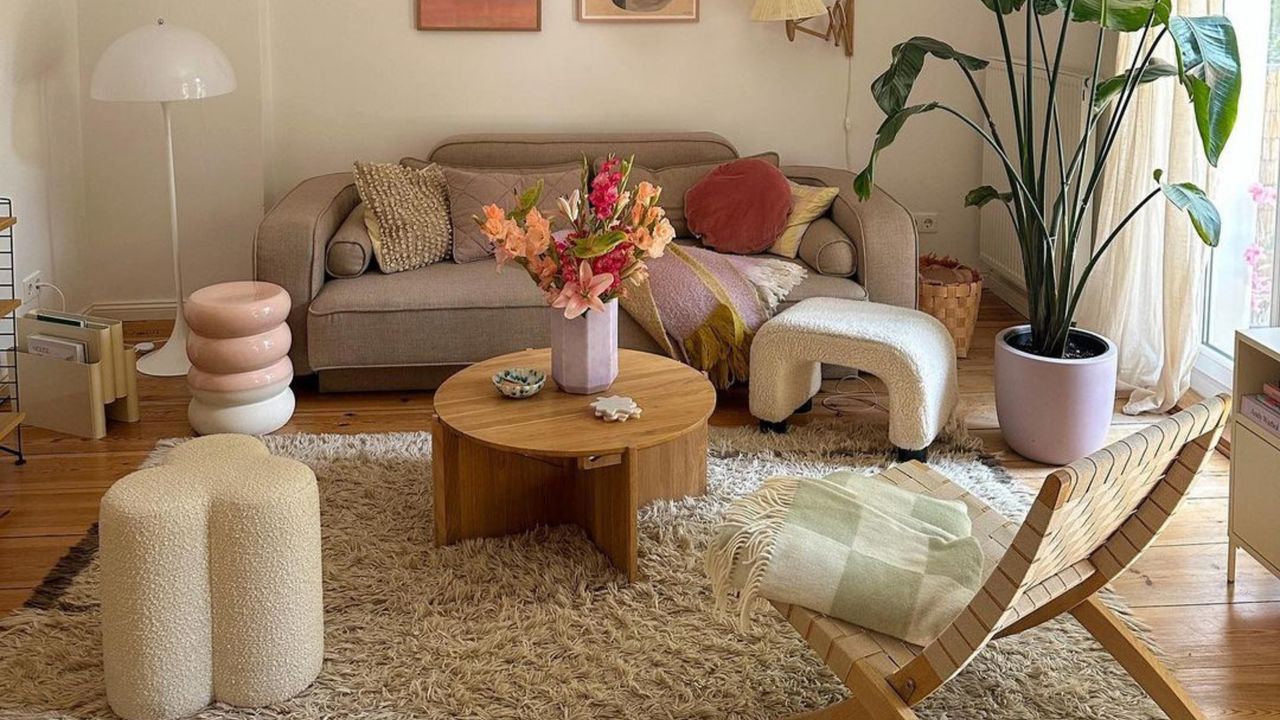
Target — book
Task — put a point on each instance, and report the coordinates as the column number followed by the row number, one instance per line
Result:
column 1272, row 390
column 1270, row 402
column 56, row 347
column 97, row 339
column 1257, row 409
column 116, row 364
column 59, row 318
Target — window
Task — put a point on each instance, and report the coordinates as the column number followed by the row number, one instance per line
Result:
column 1243, row 287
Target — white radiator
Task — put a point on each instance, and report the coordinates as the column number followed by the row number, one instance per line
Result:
column 998, row 245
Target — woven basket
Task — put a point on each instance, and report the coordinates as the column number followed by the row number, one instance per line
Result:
column 952, row 293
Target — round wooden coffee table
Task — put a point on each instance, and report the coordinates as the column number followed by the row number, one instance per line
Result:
column 506, row 466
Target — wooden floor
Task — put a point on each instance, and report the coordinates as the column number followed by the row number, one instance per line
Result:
column 1223, row 641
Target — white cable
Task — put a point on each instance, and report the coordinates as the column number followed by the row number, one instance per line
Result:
column 54, row 288
column 838, row 402
column 846, row 121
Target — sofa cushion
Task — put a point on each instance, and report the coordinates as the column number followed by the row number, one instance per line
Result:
column 740, row 207
column 676, row 181
column 449, row 314
column 828, row 250
column 406, row 213
column 350, row 250
column 471, row 190
column 653, row 150
column 808, row 203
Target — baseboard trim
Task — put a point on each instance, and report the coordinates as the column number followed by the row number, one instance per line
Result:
column 1007, row 292
column 138, row 310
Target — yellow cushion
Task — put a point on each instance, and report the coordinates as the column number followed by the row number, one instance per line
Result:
column 808, row 203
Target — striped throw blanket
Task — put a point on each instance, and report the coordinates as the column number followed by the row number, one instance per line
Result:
column 703, row 307
column 855, row 548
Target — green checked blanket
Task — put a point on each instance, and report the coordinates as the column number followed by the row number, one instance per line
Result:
column 855, row 548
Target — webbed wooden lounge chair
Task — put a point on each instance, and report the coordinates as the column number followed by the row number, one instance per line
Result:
column 1090, row 521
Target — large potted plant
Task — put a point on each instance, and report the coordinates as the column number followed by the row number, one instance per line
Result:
column 1055, row 383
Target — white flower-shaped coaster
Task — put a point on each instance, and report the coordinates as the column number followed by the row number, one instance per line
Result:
column 616, row 408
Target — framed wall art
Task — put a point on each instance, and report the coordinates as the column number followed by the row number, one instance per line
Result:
column 637, row 10
column 509, row 15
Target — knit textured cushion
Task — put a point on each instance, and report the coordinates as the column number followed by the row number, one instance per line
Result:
column 406, row 213
column 807, row 204
column 740, row 207
column 471, row 190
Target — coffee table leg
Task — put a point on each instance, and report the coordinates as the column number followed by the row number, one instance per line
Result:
column 607, row 501
column 483, row 492
column 444, row 480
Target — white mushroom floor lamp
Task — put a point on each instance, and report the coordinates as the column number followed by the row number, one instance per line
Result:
column 164, row 63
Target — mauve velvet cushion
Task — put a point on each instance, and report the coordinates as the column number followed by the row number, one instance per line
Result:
column 740, row 207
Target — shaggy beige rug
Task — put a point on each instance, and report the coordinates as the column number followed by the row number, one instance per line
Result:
column 539, row 626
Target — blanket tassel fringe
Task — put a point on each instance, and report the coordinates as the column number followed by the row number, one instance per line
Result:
column 721, row 347
column 739, row 557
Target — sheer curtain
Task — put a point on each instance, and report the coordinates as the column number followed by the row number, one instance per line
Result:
column 1147, row 295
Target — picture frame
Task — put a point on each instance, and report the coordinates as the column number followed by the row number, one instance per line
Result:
column 617, row 11
column 479, row 15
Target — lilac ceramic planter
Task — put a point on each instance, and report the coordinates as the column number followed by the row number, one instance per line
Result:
column 584, row 351
column 1054, row 411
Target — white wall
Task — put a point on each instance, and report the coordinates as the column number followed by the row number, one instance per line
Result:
column 40, row 157
column 325, row 82
column 220, row 162
column 357, row 81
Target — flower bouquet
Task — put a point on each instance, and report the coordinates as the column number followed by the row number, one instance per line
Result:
column 611, row 230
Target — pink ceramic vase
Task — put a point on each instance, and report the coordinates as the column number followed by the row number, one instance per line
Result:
column 584, row 351
column 1054, row 411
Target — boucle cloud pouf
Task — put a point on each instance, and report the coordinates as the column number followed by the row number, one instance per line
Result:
column 211, row 582
column 910, row 351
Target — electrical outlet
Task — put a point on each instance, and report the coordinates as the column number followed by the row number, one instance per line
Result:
column 927, row 223
column 30, row 291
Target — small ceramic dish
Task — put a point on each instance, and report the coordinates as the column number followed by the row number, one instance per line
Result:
column 518, row 383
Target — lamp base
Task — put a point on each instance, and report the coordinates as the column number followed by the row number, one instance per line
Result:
column 171, row 359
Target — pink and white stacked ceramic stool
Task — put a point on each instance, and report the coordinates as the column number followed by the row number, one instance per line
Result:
column 239, row 352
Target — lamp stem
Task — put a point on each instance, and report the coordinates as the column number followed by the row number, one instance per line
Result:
column 171, row 360
column 173, row 202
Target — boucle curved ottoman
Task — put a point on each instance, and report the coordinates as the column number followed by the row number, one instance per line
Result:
column 211, row 584
column 239, row 351
column 910, row 351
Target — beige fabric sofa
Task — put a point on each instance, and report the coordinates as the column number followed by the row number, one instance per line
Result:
column 412, row 329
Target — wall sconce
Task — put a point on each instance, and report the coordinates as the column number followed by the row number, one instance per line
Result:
column 794, row 12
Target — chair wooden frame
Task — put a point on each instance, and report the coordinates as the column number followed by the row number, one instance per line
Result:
column 1089, row 522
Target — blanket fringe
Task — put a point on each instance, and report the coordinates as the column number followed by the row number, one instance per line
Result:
column 774, row 281
column 721, row 347
column 744, row 548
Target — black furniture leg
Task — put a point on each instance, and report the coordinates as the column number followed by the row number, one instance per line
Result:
column 777, row 428
column 909, row 455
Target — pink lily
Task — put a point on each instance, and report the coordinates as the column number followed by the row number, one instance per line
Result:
column 582, row 295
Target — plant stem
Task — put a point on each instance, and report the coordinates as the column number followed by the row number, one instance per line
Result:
column 1097, row 256
column 1117, row 120
column 1051, row 115
column 1072, row 231
column 995, row 137
column 1019, row 184
column 1013, row 80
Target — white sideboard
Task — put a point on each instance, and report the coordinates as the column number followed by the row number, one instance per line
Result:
column 1254, row 521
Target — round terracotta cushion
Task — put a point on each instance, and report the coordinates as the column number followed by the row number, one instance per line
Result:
column 740, row 207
